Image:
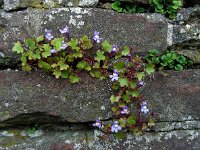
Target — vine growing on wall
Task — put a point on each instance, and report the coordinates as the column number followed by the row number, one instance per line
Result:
column 66, row 57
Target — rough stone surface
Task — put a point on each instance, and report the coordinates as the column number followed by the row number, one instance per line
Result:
column 1, row 3
column 96, row 140
column 130, row 1
column 38, row 97
column 10, row 5
column 176, row 140
column 174, row 97
column 139, row 31
column 42, row 140
column 186, row 33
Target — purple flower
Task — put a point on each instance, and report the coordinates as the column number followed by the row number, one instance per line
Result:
column 115, row 127
column 48, row 34
column 124, row 110
column 53, row 51
column 140, row 83
column 96, row 37
column 115, row 76
column 114, row 48
column 64, row 45
column 144, row 108
column 98, row 124
column 65, row 30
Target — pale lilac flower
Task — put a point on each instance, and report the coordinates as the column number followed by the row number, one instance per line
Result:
column 98, row 124
column 140, row 83
column 65, row 30
column 115, row 127
column 96, row 37
column 115, row 76
column 125, row 110
column 48, row 34
column 53, row 51
column 144, row 108
column 64, row 45
column 114, row 48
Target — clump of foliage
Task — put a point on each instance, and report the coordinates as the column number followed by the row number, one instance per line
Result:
column 168, row 8
column 127, row 8
column 66, row 57
column 168, row 60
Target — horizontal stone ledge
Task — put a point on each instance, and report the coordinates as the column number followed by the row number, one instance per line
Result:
column 139, row 31
column 175, row 97
column 10, row 5
column 89, row 140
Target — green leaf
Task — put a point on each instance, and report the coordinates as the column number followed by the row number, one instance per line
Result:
column 47, row 50
column 123, row 82
column 120, row 135
column 36, row 55
column 81, row 64
column 18, row 48
column 179, row 67
column 73, row 43
column 122, row 122
column 133, row 85
column 100, row 56
column 114, row 99
column 150, row 68
column 115, row 85
column 125, row 51
column 151, row 123
column 126, row 98
column 65, row 74
column 63, row 66
column 97, row 73
column 30, row 55
column 114, row 109
column 106, row 46
column 135, row 93
column 140, row 75
column 131, row 120
column 30, row 43
column 116, row 6
column 57, row 43
column 74, row 79
column 77, row 54
column 86, row 43
column 119, row 66
column 57, row 73
column 24, row 58
column 44, row 65
column 40, row 38
column 26, row 67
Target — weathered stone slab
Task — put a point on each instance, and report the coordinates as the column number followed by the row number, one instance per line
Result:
column 186, row 34
column 89, row 140
column 42, row 140
column 23, row 95
column 139, row 31
column 175, row 96
column 10, row 5
column 176, row 140
column 1, row 3
column 37, row 97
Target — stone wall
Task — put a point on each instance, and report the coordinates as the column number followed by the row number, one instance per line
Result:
column 65, row 112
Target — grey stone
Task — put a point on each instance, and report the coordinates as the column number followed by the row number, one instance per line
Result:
column 176, row 140
column 139, row 31
column 42, row 140
column 186, row 34
column 1, row 3
column 38, row 97
column 174, row 95
column 10, row 5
